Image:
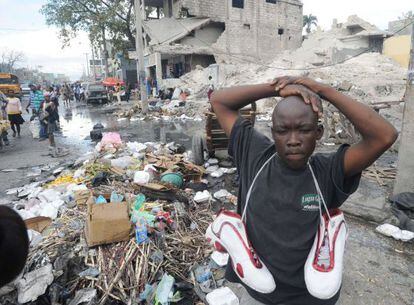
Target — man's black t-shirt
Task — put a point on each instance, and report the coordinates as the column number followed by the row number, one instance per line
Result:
column 282, row 216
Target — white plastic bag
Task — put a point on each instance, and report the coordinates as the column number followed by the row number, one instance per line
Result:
column 35, row 128
column 395, row 232
column 202, row 196
column 222, row 296
column 141, row 177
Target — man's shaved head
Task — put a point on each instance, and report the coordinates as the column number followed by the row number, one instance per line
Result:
column 294, row 104
column 295, row 130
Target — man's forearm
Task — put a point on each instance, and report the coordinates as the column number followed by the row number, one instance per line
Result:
column 368, row 123
column 236, row 98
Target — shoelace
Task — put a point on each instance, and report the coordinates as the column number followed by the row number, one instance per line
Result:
column 257, row 262
column 324, row 257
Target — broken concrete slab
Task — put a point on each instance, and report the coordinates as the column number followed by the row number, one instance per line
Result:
column 368, row 202
column 34, row 284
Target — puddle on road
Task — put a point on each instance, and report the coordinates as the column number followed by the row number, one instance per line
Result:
column 78, row 120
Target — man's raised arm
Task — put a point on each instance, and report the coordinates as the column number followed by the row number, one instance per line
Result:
column 227, row 102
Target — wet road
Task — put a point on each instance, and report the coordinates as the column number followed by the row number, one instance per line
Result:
column 78, row 121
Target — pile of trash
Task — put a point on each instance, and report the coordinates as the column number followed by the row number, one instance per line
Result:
column 178, row 108
column 123, row 224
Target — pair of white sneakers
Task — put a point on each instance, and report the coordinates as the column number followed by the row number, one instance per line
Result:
column 323, row 267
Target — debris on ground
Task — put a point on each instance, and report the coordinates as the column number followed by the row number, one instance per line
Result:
column 124, row 223
column 395, row 232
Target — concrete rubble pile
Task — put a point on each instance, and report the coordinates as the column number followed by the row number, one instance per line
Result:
column 123, row 224
column 330, row 57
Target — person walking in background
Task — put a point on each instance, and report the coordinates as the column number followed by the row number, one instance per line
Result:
column 52, row 118
column 35, row 100
column 14, row 113
column 41, row 115
column 55, row 100
column 3, row 117
column 128, row 90
column 31, row 98
column 52, row 92
column 118, row 92
column 66, row 93
column 38, row 98
column 81, row 94
column 77, row 92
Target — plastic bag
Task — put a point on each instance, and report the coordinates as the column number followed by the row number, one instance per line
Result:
column 122, row 162
column 100, row 200
column 35, row 128
column 116, row 197
column 141, row 177
column 164, row 289
column 111, row 138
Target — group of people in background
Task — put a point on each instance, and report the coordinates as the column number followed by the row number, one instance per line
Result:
column 43, row 106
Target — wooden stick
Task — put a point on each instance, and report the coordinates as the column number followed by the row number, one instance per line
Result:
column 128, row 257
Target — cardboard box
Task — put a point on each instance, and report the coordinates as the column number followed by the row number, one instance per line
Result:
column 107, row 223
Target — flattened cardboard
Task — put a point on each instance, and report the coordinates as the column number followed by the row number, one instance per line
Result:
column 38, row 223
column 107, row 223
column 81, row 197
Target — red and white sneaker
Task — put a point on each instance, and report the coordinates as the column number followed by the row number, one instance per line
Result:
column 323, row 267
column 228, row 234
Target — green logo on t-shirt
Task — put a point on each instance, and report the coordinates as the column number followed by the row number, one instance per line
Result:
column 310, row 202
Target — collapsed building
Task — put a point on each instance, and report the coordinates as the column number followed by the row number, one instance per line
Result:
column 343, row 40
column 192, row 33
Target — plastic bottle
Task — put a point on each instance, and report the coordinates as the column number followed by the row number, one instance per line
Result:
column 141, row 231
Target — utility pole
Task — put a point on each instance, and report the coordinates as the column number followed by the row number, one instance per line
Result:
column 404, row 181
column 87, row 65
column 93, row 67
column 105, row 54
column 139, row 46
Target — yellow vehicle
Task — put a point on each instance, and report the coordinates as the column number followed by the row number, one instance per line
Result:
column 9, row 84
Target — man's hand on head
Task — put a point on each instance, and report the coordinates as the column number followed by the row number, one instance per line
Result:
column 282, row 82
column 309, row 97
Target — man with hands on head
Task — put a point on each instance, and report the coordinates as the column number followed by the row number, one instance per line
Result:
column 283, row 213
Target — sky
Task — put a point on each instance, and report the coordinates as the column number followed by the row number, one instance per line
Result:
column 23, row 28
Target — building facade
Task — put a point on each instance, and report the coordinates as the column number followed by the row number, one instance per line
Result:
column 193, row 33
column 256, row 28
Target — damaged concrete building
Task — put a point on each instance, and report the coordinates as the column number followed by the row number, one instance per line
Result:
column 360, row 34
column 199, row 32
column 343, row 40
